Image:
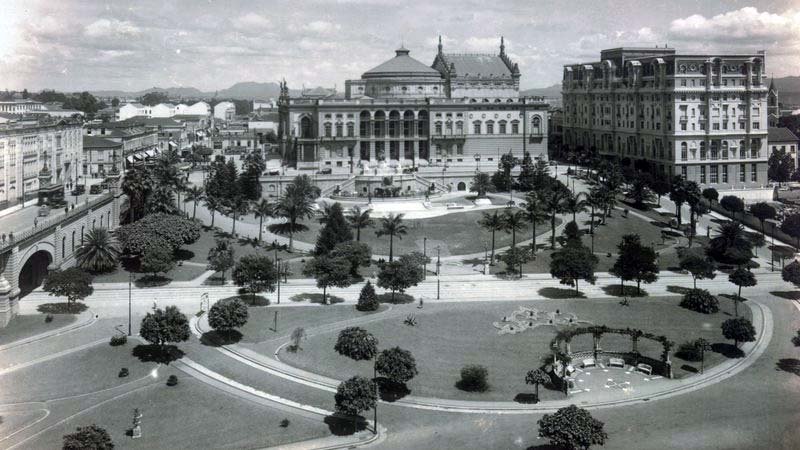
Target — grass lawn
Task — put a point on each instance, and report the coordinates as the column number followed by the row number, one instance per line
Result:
column 457, row 233
column 23, row 326
column 190, row 415
column 447, row 337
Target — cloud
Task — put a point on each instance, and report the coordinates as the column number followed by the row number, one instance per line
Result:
column 322, row 27
column 743, row 24
column 103, row 28
column 251, row 20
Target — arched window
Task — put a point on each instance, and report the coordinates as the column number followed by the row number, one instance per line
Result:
column 63, row 247
column 536, row 125
column 394, row 124
column 363, row 124
column 408, row 123
column 422, row 124
column 380, row 124
column 305, row 128
column 703, row 150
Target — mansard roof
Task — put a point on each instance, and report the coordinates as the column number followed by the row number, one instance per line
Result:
column 780, row 134
column 402, row 65
column 478, row 65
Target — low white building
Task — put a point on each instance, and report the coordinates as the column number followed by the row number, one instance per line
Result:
column 224, row 110
column 129, row 110
column 197, row 109
column 162, row 110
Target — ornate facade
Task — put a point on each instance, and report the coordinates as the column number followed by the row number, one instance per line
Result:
column 700, row 116
column 462, row 110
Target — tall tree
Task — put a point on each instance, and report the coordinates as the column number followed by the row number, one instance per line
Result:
column 576, row 203
column 635, row 262
column 732, row 204
column 221, row 257
column 741, row 277
column 356, row 343
column 697, row 264
column 492, row 222
column 157, row 259
column 396, row 364
column 554, row 200
column 335, row 231
column 99, row 251
column 731, row 245
column 533, row 212
column 357, row 254
column 791, row 273
column 72, row 283
column 392, row 226
column 213, row 204
column 359, row 219
column 537, row 377
column 294, row 206
column 400, row 275
column 329, row 272
column 355, row 395
column 791, row 226
column 513, row 221
column 481, row 183
column 137, row 185
column 711, row 195
column 263, row 209
column 238, row 206
column 696, row 207
column 678, row 195
column 660, row 187
column 573, row 263
column 739, row 330
column 194, row 194
column 572, row 428
column 165, row 326
column 780, row 166
column 762, row 211
column 255, row 273
column 227, row 314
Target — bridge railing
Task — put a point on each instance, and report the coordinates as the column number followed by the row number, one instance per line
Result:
column 46, row 226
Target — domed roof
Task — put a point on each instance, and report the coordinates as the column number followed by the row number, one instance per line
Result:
column 402, row 65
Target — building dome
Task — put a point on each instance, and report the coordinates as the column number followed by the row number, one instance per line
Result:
column 401, row 66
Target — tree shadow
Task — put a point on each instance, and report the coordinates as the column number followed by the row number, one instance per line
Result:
column 678, row 290
column 214, row 280
column 626, row 291
column 473, row 262
column 727, row 350
column 62, row 308
column 340, row 425
column 788, row 295
column 689, row 368
column 182, row 254
column 545, row 447
column 152, row 281
column 790, row 365
column 391, row 391
column 559, row 293
column 399, row 299
column 526, row 398
column 157, row 354
column 133, row 264
column 250, row 299
column 216, row 338
column 315, row 298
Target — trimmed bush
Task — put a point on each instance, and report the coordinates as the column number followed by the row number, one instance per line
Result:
column 367, row 300
column 285, row 423
column 123, row 372
column 474, row 378
column 172, row 380
column 48, row 318
column 689, row 351
column 700, row 300
column 118, row 340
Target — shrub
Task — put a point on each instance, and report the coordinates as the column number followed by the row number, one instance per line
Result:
column 91, row 437
column 356, row 343
column 285, row 423
column 689, row 351
column 118, row 340
column 700, row 300
column 172, row 380
column 123, row 372
column 297, row 337
column 48, row 318
column 474, row 378
column 367, row 300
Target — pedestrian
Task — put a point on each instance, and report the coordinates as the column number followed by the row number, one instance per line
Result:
column 35, row 222
column 420, row 303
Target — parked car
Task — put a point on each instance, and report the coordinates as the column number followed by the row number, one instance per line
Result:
column 44, row 211
column 95, row 189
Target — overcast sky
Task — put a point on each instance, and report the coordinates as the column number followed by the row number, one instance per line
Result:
column 211, row 44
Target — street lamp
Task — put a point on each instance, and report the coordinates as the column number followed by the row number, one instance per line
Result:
column 278, row 267
column 477, row 162
column 130, row 283
column 425, row 257
column 438, row 265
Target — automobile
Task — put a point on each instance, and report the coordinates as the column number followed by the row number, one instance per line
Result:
column 325, row 171
column 95, row 189
column 44, row 211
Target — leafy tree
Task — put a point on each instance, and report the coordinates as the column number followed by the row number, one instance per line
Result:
column 492, row 222
column 357, row 254
column 296, row 204
column 481, row 183
column 533, row 212
column 115, row 102
column 635, row 262
column 742, row 278
column 155, row 97
column 158, row 259
column 537, row 377
column 571, row 234
column 731, row 245
column 73, row 283
column 660, row 187
column 335, row 231
column 515, row 257
column 500, row 181
column 525, row 180
column 732, row 204
column 640, row 191
column 400, row 275
column 356, row 395
column 711, row 195
column 698, row 265
column 791, row 273
column 213, row 204
column 474, row 378
column 367, row 299
column 572, row 428
column 762, row 211
column 700, row 300
column 738, row 329
column 221, row 256
column 780, row 166
column 356, row 343
column 161, row 230
column 264, row 208
column 396, row 364
column 678, row 195
column 696, row 206
column 573, row 263
column 554, row 201
column 329, row 272
column 513, row 221
column 161, row 201
column 91, row 437
column 507, row 163
column 359, row 219
column 392, row 226
column 98, row 252
column 194, row 195
column 164, row 326
column 137, row 185
column 256, row 273
column 791, row 226
column 226, row 315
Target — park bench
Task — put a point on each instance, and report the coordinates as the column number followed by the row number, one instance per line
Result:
column 589, row 362
column 644, row 368
column 616, row 362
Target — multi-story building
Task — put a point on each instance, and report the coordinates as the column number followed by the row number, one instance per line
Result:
column 464, row 110
column 783, row 139
column 138, row 144
column 25, row 148
column 224, row 111
column 21, row 106
column 703, row 117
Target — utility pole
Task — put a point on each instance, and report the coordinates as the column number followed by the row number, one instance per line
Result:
column 278, row 267
column 130, row 282
column 438, row 265
column 425, row 259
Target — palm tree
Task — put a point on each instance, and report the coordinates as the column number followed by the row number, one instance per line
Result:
column 576, row 204
column 161, row 200
column 494, row 223
column 392, row 226
column 554, row 201
column 99, row 251
column 534, row 213
column 593, row 200
column 731, row 245
column 293, row 206
column 213, row 204
column 359, row 219
column 261, row 210
column 194, row 194
column 237, row 207
column 513, row 222
column 137, row 185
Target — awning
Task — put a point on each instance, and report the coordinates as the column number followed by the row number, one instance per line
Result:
column 172, row 144
column 130, row 159
column 138, row 156
column 150, row 153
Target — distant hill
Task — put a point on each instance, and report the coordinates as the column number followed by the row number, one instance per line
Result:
column 550, row 91
column 787, row 84
column 247, row 90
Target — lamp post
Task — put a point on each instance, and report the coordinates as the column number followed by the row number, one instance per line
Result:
column 772, row 247
column 477, row 162
column 278, row 267
column 130, row 283
column 485, row 256
column 704, row 345
column 425, row 257
column 438, row 265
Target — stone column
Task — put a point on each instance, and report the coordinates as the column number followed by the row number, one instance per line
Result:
column 6, row 310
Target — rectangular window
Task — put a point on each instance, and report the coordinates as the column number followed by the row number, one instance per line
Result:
column 714, row 174
column 489, row 127
column 756, row 125
column 702, row 174
column 683, row 172
column 725, row 174
column 753, row 173
column 742, row 173
column 476, row 128
column 715, row 126
column 438, row 128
